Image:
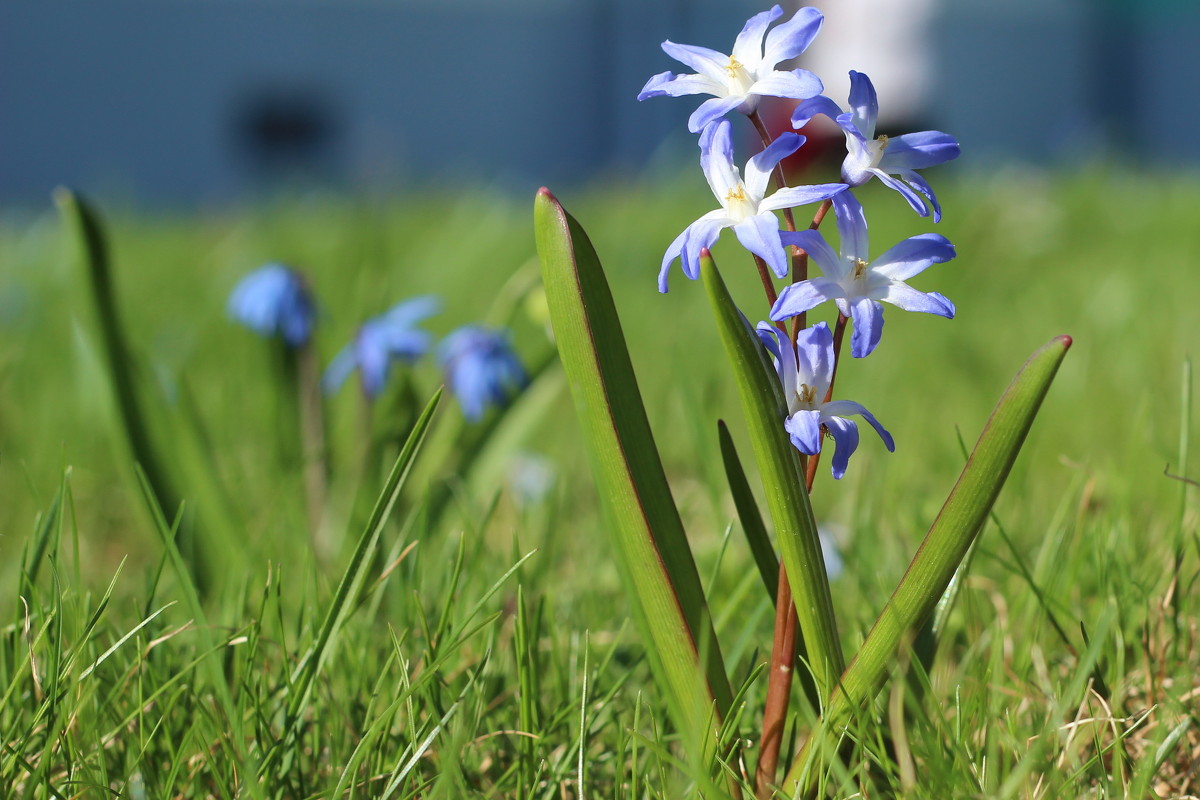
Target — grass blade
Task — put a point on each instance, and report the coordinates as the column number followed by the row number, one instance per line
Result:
column 346, row 595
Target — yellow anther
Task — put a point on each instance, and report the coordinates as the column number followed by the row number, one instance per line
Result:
column 736, row 195
column 806, row 394
column 883, row 141
column 734, row 67
column 860, row 267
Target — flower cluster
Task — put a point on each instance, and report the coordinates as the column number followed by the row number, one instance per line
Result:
column 479, row 365
column 806, row 360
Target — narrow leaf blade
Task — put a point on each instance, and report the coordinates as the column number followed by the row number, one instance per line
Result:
column 647, row 534
column 947, row 542
column 783, row 481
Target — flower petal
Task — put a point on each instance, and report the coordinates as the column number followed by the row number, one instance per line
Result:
column 701, row 235
column 760, row 235
column 811, row 107
column 797, row 84
column 852, row 227
column 844, row 408
column 674, row 250
column 672, row 85
column 845, row 441
column 759, row 168
column 748, row 47
column 713, row 109
column 804, row 429
column 818, row 250
column 707, row 62
column 919, row 150
column 914, row 199
column 339, row 369
column 792, row 196
column 814, row 358
column 868, row 326
column 919, row 183
column 793, row 37
column 913, row 256
column 904, row 296
column 784, row 357
column 797, row 298
column 864, row 103
column 716, row 159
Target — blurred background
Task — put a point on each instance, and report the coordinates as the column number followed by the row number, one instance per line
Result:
column 199, row 101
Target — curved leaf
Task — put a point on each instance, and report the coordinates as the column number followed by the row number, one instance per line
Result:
column 957, row 524
column 783, row 481
column 646, row 532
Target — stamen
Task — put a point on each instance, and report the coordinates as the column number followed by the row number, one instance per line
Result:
column 734, row 67
column 736, row 195
column 860, row 267
column 806, row 394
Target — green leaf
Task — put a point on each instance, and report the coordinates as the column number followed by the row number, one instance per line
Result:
column 783, row 481
column 647, row 536
column 948, row 540
column 747, row 510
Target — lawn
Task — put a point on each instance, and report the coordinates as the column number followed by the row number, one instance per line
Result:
column 487, row 649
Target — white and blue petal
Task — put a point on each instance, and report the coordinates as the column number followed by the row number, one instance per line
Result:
column 760, row 166
column 818, row 250
column 844, row 408
column 760, row 235
column 795, row 84
column 852, row 226
column 919, row 150
column 913, row 256
column 845, row 442
column 748, row 47
column 814, row 358
column 804, row 429
column 901, row 295
column 707, row 62
column 797, row 298
column 785, row 42
column 867, row 315
column 864, row 103
column 793, row 196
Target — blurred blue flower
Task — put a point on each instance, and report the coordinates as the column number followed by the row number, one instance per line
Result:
column 884, row 156
column 856, row 284
column 806, row 374
column 743, row 204
column 274, row 301
column 382, row 340
column 737, row 81
column 481, row 368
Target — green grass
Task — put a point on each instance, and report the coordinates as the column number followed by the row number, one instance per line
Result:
column 487, row 651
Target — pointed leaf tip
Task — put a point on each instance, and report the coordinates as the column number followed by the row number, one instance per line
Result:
column 546, row 193
column 1066, row 340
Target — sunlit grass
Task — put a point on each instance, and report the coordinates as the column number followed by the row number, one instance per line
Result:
column 439, row 689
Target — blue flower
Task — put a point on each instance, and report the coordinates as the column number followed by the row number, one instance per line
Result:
column 806, row 373
column 274, row 301
column 481, row 368
column 882, row 157
column 857, row 285
column 382, row 340
column 743, row 205
column 737, row 81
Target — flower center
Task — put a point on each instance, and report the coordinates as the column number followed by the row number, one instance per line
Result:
column 806, row 395
column 876, row 148
column 860, row 268
column 737, row 204
column 739, row 77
